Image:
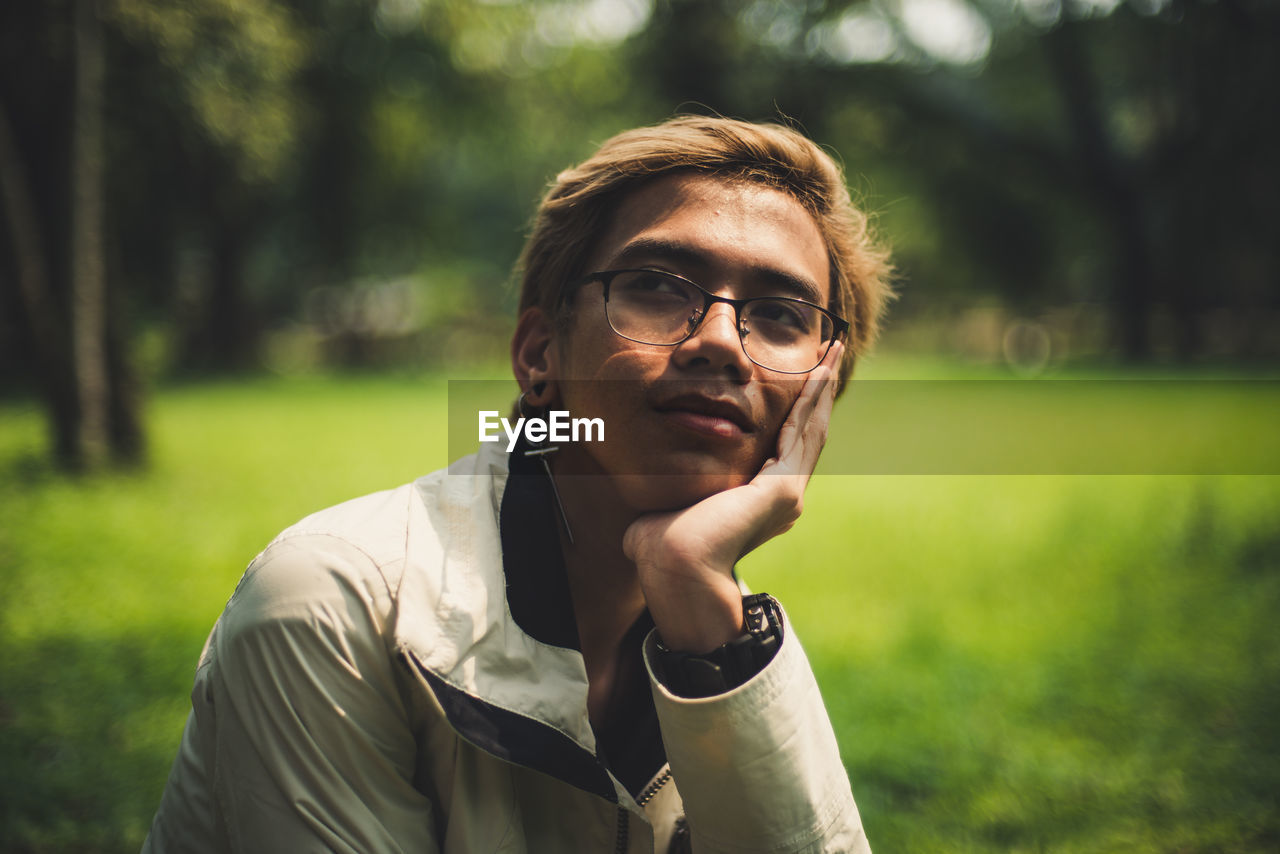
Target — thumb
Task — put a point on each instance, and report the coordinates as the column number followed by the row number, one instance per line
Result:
column 632, row 537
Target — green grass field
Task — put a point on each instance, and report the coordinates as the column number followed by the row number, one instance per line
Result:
column 1012, row 663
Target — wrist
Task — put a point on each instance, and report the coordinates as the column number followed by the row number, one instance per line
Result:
column 697, row 619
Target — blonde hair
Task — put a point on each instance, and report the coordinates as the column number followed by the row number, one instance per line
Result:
column 576, row 210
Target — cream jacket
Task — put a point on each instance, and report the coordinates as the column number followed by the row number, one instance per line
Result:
column 367, row 689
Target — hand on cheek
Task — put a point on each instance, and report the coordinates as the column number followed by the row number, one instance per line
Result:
column 685, row 558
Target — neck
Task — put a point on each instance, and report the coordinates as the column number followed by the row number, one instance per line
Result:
column 607, row 599
column 606, row 591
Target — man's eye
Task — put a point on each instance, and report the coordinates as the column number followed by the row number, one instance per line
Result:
column 794, row 316
column 651, row 283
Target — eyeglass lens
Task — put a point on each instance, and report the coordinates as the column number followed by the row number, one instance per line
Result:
column 778, row 334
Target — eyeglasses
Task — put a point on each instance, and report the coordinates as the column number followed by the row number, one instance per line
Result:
column 781, row 334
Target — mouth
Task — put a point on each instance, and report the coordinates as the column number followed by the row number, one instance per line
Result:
column 711, row 416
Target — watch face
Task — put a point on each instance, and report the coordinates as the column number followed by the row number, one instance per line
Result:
column 760, row 611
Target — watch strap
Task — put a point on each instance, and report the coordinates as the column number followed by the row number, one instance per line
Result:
column 729, row 665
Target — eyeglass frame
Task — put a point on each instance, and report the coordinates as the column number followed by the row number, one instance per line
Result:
column 839, row 326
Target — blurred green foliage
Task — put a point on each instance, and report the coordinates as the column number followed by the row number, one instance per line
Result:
column 1046, row 663
column 235, row 65
column 1108, row 156
column 1012, row 663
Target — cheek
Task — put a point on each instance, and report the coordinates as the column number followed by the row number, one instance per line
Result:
column 613, row 385
column 779, row 398
column 591, row 352
column 583, row 352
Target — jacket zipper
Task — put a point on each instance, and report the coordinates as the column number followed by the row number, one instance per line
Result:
column 624, row 818
column 624, row 828
column 652, row 789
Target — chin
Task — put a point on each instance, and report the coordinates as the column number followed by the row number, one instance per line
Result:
column 662, row 479
column 649, row 493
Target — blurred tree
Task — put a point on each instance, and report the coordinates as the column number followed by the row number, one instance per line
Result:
column 1037, row 153
column 52, row 180
column 228, row 157
column 217, row 76
column 88, row 315
column 1077, row 155
column 225, row 75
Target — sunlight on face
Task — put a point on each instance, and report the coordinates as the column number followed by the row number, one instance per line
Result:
column 689, row 420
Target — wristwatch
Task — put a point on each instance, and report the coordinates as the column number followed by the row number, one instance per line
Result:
column 728, row 666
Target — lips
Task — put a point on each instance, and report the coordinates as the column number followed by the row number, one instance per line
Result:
column 714, row 415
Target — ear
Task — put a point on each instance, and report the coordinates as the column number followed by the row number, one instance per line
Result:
column 535, row 358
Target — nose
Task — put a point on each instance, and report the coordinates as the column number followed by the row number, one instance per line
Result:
column 716, row 344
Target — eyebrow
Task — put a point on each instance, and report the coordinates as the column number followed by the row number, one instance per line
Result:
column 661, row 249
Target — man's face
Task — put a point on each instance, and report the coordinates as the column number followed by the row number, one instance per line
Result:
column 684, row 422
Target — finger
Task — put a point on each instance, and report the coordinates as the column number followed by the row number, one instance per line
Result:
column 820, row 388
column 802, row 408
column 827, row 398
column 805, row 431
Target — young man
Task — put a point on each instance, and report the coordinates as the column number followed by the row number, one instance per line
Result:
column 549, row 651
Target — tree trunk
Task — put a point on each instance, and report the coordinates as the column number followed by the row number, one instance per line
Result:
column 44, row 325
column 231, row 331
column 1111, row 187
column 125, row 429
column 221, row 334
column 87, row 268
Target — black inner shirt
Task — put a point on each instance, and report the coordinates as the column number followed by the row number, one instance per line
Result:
column 630, row 742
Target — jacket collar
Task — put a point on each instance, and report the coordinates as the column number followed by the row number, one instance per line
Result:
column 500, row 648
column 532, row 562
column 541, row 604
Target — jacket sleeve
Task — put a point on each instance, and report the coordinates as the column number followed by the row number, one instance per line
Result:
column 300, row 737
column 758, row 767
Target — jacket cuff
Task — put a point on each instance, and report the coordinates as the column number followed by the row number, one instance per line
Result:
column 758, row 766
